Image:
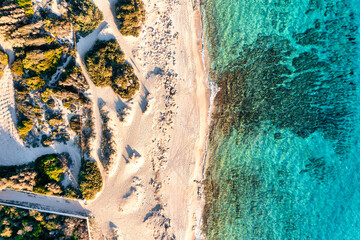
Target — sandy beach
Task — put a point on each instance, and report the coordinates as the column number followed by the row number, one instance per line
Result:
column 152, row 190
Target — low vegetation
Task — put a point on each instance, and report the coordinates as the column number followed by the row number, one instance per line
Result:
column 17, row 223
column 39, row 61
column 47, row 83
column 107, row 150
column 24, row 128
column 107, row 67
column 86, row 17
column 44, row 176
column 131, row 16
column 17, row 67
column 87, row 135
column 3, row 62
column 35, row 83
column 51, row 166
column 26, row 5
column 18, row 177
column 90, row 180
column 36, row 105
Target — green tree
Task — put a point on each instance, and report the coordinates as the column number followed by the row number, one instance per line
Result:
column 50, row 166
column 107, row 67
column 90, row 180
column 86, row 17
column 24, row 128
column 35, row 83
column 131, row 16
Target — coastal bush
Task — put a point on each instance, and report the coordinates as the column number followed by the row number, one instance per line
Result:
column 102, row 59
column 47, row 140
column 50, row 166
column 90, row 180
column 3, row 58
column 40, row 45
column 107, row 149
column 42, row 177
column 87, row 134
column 73, row 77
column 107, row 67
column 75, row 123
column 40, row 61
column 22, row 180
column 131, row 16
column 57, row 26
column 45, row 95
column 17, row 67
column 56, row 121
column 35, row 83
column 26, row 5
column 86, row 17
column 3, row 62
column 17, row 223
column 24, row 128
column 71, row 192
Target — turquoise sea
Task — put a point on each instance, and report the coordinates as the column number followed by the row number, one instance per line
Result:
column 284, row 157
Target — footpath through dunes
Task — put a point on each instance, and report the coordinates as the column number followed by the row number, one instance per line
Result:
column 150, row 190
column 42, row 202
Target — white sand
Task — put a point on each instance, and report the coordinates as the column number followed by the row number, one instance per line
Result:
column 154, row 193
column 169, row 136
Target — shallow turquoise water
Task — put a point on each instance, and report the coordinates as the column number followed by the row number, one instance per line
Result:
column 284, row 146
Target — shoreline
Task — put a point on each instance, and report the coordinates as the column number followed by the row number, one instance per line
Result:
column 211, row 91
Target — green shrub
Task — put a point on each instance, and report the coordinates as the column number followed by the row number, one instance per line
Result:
column 8, row 171
column 57, row 120
column 45, row 95
column 26, row 5
column 17, row 67
column 24, row 128
column 42, row 176
column 3, row 58
column 41, row 190
column 107, row 67
column 71, row 193
column 50, row 166
column 131, row 16
column 75, row 124
column 42, row 61
column 3, row 62
column 86, row 17
column 90, row 180
column 35, row 83
column 17, row 223
column 47, row 140
column 102, row 60
column 6, row 232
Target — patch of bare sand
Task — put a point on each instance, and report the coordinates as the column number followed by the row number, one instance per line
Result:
column 151, row 192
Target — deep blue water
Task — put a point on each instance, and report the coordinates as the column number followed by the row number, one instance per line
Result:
column 284, row 146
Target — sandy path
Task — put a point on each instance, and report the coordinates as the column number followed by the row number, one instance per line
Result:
column 42, row 202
